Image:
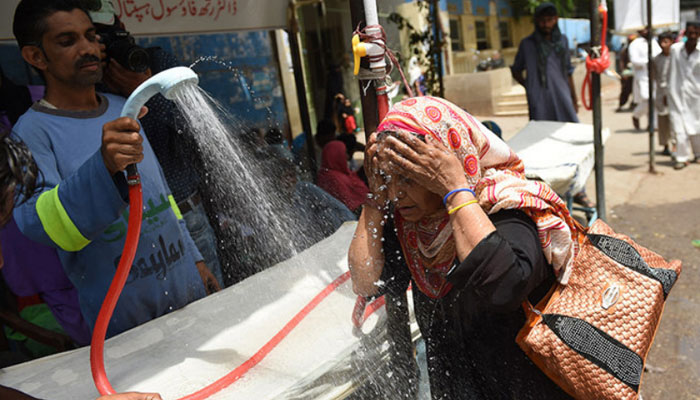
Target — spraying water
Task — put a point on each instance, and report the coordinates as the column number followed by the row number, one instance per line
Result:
column 251, row 191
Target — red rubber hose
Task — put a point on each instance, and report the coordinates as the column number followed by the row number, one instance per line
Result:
column 97, row 364
column 237, row 373
column 597, row 65
column 382, row 106
column 97, row 345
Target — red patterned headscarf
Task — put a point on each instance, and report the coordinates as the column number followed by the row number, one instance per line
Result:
column 497, row 176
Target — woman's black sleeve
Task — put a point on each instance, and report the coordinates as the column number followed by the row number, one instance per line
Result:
column 505, row 267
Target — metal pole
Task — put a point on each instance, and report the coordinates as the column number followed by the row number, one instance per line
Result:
column 301, row 86
column 597, row 116
column 652, row 156
column 368, row 94
column 437, row 33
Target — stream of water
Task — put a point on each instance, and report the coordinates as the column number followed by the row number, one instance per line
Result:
column 247, row 193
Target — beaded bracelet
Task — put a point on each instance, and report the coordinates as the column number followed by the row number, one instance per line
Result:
column 447, row 196
column 454, row 210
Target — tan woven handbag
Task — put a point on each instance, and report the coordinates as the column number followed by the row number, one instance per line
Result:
column 592, row 335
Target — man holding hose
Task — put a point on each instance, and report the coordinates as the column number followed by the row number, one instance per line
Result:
column 81, row 147
column 18, row 175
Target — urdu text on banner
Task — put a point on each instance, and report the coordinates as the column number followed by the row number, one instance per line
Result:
column 164, row 17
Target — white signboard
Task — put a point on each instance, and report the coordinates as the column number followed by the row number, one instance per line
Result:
column 162, row 17
column 631, row 15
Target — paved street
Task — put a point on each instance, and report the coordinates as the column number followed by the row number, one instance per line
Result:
column 661, row 212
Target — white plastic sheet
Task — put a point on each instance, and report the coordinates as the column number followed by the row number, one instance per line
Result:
column 631, row 15
column 559, row 153
column 181, row 352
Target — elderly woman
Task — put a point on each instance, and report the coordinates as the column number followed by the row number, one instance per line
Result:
column 452, row 213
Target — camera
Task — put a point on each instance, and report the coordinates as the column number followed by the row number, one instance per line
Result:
column 120, row 45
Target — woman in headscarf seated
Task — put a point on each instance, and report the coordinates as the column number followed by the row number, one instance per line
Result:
column 451, row 212
column 336, row 178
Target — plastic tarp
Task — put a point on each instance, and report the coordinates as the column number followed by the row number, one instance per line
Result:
column 631, row 15
column 184, row 351
column 559, row 153
column 576, row 31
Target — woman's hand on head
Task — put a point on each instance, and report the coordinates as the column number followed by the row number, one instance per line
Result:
column 429, row 164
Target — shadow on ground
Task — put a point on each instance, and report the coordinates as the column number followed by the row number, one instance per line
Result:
column 623, row 167
column 674, row 360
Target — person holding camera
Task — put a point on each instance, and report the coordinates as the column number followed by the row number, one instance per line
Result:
column 127, row 65
column 82, row 147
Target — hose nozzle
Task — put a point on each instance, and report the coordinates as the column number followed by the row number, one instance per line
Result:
column 167, row 83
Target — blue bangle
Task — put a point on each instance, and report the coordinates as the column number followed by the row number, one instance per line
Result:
column 447, row 196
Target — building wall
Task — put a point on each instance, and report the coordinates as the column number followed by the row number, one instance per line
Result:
column 489, row 13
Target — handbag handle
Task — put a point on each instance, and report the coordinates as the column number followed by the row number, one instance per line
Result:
column 533, row 314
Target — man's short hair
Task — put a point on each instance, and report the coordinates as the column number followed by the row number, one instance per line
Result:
column 695, row 24
column 29, row 24
column 666, row 35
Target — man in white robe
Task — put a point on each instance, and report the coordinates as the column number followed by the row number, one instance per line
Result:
column 639, row 57
column 684, row 96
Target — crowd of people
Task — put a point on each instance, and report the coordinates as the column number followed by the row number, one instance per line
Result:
column 675, row 88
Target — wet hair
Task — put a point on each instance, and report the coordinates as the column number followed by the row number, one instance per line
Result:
column 381, row 135
column 29, row 24
column 695, row 24
column 18, row 175
column 666, row 35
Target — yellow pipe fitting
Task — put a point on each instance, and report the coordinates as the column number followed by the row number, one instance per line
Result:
column 359, row 50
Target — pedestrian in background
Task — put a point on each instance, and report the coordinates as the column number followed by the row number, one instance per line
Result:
column 545, row 56
column 639, row 57
column 684, row 96
column 549, row 85
column 626, row 75
column 661, row 66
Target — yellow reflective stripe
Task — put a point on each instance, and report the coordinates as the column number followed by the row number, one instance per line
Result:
column 56, row 222
column 174, row 206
